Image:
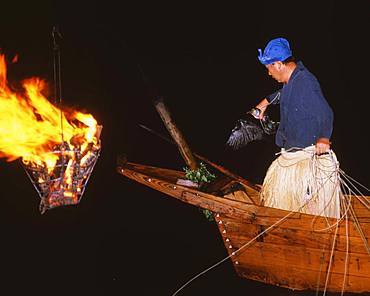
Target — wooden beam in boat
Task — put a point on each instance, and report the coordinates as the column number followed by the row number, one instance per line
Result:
column 176, row 134
column 251, row 189
column 227, row 172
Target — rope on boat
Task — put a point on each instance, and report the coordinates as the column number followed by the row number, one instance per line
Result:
column 331, row 259
column 345, row 205
column 359, row 230
column 360, row 197
column 346, row 260
column 357, row 193
column 321, row 265
column 339, row 220
column 347, row 209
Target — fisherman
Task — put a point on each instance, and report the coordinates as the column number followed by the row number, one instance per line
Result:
column 305, row 176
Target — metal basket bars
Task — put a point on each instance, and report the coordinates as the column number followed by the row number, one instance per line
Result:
column 65, row 183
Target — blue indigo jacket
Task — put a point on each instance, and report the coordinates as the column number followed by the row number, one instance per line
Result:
column 305, row 115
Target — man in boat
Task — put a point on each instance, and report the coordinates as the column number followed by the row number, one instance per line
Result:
column 305, row 176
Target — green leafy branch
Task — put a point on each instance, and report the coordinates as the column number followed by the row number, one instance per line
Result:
column 201, row 175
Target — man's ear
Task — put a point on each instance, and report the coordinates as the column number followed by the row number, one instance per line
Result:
column 278, row 65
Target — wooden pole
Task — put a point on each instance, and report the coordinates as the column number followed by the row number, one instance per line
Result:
column 176, row 134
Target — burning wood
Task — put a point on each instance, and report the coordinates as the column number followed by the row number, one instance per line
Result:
column 66, row 183
column 58, row 149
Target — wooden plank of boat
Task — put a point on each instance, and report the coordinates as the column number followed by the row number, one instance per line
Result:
column 299, row 279
column 308, row 259
column 240, row 233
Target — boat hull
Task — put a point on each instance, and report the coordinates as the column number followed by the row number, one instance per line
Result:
column 296, row 257
column 287, row 249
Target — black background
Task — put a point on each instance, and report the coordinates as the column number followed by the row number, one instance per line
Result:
column 124, row 238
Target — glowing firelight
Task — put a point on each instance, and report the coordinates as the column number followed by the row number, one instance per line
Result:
column 58, row 148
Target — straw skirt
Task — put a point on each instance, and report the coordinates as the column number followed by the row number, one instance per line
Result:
column 304, row 182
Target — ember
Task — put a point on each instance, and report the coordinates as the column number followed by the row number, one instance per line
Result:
column 58, row 149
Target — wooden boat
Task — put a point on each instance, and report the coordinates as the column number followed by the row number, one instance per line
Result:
column 287, row 249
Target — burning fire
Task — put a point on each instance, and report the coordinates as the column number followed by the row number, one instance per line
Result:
column 57, row 148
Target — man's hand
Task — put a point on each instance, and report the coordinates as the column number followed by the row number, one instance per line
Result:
column 262, row 107
column 322, row 146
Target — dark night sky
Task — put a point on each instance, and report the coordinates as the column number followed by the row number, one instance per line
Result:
column 124, row 238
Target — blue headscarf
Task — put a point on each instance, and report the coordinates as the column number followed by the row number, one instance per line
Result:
column 277, row 49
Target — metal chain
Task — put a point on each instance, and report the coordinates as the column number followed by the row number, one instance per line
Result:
column 57, row 76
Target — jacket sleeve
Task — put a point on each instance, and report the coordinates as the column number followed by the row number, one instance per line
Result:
column 326, row 118
column 319, row 109
column 274, row 98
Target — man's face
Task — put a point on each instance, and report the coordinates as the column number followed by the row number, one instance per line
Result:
column 275, row 71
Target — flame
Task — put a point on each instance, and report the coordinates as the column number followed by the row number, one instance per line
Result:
column 30, row 126
column 58, row 148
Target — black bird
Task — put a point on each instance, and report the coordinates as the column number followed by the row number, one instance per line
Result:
column 251, row 129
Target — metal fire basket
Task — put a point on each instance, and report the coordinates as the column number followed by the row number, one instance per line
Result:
column 66, row 182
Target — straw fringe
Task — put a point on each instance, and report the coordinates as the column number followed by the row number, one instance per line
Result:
column 303, row 180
